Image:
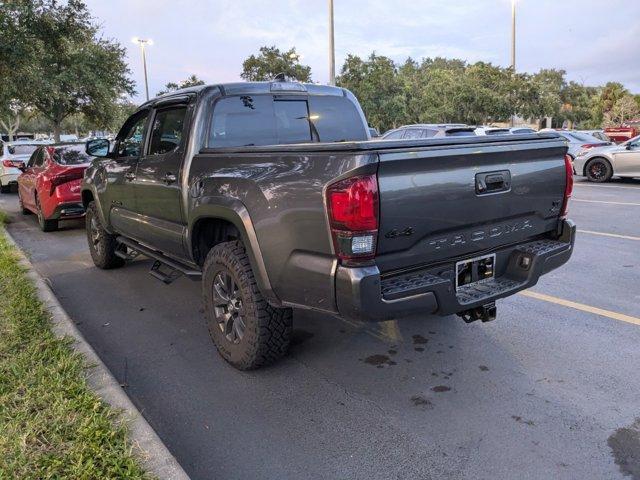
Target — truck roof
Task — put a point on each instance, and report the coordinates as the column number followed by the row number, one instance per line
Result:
column 254, row 88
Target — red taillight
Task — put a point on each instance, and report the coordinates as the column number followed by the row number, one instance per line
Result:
column 587, row 146
column 353, row 216
column 12, row 163
column 568, row 186
column 64, row 178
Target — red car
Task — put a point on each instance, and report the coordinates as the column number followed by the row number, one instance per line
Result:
column 50, row 183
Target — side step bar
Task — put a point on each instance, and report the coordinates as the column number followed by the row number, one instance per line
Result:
column 175, row 267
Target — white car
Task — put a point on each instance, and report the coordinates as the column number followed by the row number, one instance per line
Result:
column 599, row 164
column 492, row 131
column 13, row 156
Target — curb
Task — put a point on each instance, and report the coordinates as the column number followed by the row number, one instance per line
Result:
column 155, row 457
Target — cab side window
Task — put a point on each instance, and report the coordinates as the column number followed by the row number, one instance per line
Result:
column 130, row 144
column 166, row 131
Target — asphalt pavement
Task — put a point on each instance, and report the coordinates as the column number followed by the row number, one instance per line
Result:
column 548, row 390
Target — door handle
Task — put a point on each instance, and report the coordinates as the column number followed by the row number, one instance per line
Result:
column 130, row 176
column 493, row 182
column 169, row 178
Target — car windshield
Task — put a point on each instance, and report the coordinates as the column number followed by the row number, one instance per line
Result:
column 22, row 149
column 71, row 155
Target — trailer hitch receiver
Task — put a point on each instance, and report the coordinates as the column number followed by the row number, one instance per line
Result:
column 485, row 313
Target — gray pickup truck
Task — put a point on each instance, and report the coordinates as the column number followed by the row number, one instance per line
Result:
column 276, row 197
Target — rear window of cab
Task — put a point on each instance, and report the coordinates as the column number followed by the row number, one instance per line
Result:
column 253, row 120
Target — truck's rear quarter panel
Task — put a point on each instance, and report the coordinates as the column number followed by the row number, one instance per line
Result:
column 284, row 194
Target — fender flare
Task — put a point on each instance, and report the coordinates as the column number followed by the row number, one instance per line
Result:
column 235, row 212
column 96, row 199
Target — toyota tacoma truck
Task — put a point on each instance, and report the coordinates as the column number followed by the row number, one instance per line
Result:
column 275, row 196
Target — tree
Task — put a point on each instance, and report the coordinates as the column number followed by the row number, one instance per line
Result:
column 376, row 84
column 271, row 62
column 623, row 110
column 61, row 65
column 609, row 96
column 192, row 81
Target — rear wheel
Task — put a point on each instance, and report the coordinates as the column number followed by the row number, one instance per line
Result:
column 45, row 225
column 102, row 244
column 247, row 331
column 25, row 211
column 598, row 170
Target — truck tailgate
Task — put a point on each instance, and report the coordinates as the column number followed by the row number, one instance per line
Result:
column 446, row 202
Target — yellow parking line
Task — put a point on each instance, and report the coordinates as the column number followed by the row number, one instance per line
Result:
column 602, row 201
column 614, row 235
column 582, row 307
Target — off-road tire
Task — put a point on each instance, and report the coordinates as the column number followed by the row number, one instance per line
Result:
column 102, row 244
column 604, row 167
column 45, row 225
column 267, row 330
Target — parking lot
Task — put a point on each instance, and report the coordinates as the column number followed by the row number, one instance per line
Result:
column 549, row 389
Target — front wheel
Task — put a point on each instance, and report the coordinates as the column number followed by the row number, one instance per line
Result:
column 598, row 170
column 247, row 331
column 102, row 244
column 5, row 188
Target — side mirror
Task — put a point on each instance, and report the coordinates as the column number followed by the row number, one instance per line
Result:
column 98, row 147
column 628, row 146
column 22, row 168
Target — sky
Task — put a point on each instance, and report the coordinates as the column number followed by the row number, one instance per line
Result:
column 593, row 41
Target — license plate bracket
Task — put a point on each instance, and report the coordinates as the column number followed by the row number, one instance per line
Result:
column 475, row 270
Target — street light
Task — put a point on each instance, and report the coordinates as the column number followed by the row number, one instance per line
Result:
column 142, row 42
column 513, row 35
column 332, row 51
column 513, row 47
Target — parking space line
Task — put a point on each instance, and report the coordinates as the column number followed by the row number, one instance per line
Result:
column 602, row 201
column 613, row 235
column 605, row 186
column 582, row 307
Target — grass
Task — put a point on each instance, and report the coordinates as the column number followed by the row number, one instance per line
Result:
column 51, row 424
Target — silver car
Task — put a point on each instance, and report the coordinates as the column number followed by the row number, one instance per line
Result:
column 601, row 163
column 599, row 134
column 578, row 141
column 429, row 130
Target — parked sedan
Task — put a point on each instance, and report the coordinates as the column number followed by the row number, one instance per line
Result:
column 13, row 155
column 579, row 141
column 599, row 134
column 50, row 183
column 601, row 163
column 429, row 130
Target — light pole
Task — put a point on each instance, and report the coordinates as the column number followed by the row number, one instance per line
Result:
column 513, row 35
column 332, row 51
column 513, row 48
column 142, row 42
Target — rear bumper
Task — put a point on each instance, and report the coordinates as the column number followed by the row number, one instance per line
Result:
column 364, row 294
column 67, row 210
column 10, row 178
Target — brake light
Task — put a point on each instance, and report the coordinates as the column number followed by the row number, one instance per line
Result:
column 352, row 206
column 568, row 186
column 12, row 163
column 587, row 146
column 64, row 178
